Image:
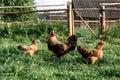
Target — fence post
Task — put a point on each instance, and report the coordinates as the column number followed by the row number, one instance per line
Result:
column 102, row 21
column 70, row 18
column 72, row 22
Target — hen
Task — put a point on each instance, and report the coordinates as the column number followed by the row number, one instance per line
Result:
column 92, row 55
column 29, row 49
column 60, row 48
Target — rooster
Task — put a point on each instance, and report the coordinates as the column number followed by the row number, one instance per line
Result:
column 29, row 49
column 61, row 48
column 92, row 55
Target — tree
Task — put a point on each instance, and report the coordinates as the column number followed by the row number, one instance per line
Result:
column 18, row 17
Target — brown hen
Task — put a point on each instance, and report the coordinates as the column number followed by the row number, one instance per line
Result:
column 92, row 55
column 29, row 49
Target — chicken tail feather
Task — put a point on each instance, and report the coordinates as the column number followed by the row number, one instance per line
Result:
column 83, row 51
column 72, row 42
column 21, row 47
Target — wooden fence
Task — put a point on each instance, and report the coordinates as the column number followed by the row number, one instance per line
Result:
column 70, row 15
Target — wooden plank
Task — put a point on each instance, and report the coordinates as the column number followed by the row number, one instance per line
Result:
column 112, row 9
column 95, row 9
column 79, row 21
column 73, row 23
column 70, row 23
column 109, row 4
column 102, row 21
column 32, row 11
column 83, row 9
column 31, row 6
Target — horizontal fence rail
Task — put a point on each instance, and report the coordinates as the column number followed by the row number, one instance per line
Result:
column 78, row 21
column 49, row 10
column 109, row 4
column 30, row 6
column 32, row 11
column 88, row 9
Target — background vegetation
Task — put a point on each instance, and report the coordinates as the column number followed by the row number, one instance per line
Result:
column 113, row 35
column 15, row 65
column 17, row 17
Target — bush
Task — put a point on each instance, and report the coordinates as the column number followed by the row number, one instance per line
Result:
column 40, row 31
column 113, row 35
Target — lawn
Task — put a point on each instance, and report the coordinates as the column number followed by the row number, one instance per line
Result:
column 16, row 65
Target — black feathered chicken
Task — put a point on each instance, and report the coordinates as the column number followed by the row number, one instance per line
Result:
column 61, row 48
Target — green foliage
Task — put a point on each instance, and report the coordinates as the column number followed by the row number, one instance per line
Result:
column 114, row 32
column 18, row 17
column 113, row 35
column 29, row 32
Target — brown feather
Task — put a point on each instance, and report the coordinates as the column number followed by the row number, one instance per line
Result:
column 60, row 48
column 91, row 55
column 29, row 49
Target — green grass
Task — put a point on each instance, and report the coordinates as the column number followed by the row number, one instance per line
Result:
column 113, row 35
column 16, row 65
